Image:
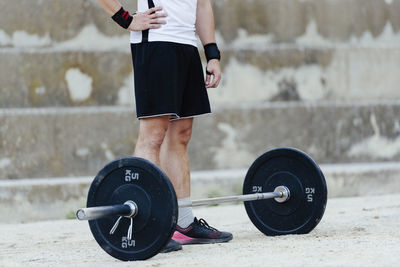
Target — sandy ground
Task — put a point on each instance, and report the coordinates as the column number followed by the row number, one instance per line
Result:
column 360, row 231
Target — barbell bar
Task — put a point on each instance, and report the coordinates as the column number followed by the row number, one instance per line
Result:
column 280, row 194
column 130, row 208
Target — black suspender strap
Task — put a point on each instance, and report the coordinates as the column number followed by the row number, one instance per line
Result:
column 145, row 34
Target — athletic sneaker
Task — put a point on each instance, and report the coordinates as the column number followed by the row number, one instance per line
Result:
column 171, row 246
column 199, row 232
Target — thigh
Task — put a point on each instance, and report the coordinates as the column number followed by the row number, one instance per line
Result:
column 153, row 125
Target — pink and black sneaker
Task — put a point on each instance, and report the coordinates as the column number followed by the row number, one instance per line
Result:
column 199, row 232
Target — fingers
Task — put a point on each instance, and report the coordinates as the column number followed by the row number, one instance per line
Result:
column 154, row 22
column 158, row 15
column 144, row 21
column 153, row 10
column 158, row 21
column 208, row 79
column 154, row 26
column 213, row 76
column 215, row 81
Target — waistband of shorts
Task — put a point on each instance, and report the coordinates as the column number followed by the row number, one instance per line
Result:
column 164, row 42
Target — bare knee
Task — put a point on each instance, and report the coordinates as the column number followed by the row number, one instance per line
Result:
column 180, row 133
column 152, row 138
column 183, row 136
column 152, row 132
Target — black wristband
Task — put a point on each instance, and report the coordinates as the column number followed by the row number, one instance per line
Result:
column 212, row 52
column 123, row 18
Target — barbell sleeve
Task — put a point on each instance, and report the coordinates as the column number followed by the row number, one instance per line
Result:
column 128, row 209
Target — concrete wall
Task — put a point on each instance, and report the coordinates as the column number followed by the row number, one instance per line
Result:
column 284, row 20
column 80, row 141
column 65, row 63
column 273, row 50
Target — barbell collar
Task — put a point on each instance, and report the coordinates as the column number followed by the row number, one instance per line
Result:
column 128, row 209
column 285, row 193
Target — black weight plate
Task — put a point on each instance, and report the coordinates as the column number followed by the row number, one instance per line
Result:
column 145, row 184
column 308, row 193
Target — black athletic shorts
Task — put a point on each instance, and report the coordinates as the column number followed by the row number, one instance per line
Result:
column 169, row 80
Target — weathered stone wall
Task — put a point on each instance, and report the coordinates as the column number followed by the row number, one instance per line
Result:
column 273, row 50
column 80, row 141
column 287, row 20
column 65, row 63
column 284, row 20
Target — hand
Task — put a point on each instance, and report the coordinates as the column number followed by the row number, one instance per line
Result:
column 213, row 73
column 148, row 20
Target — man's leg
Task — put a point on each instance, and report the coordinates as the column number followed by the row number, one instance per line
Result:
column 174, row 157
column 152, row 132
column 175, row 162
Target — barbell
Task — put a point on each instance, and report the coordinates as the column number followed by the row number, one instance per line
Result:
column 132, row 208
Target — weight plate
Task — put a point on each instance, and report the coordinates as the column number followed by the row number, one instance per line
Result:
column 308, row 193
column 145, row 184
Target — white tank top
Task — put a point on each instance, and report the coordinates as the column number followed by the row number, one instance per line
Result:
column 180, row 27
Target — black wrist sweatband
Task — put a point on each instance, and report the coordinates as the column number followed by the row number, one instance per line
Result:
column 212, row 52
column 123, row 18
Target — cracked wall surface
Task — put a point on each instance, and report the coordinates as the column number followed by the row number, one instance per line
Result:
column 320, row 75
column 273, row 50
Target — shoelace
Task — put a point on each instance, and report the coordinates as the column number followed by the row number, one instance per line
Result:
column 202, row 222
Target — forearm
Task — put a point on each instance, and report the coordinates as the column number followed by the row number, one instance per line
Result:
column 110, row 6
column 205, row 27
